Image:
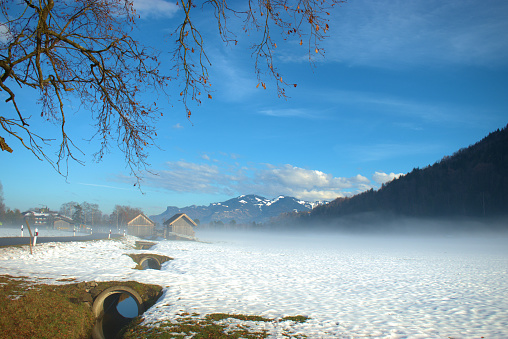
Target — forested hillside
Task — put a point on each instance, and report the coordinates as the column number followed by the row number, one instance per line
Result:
column 473, row 182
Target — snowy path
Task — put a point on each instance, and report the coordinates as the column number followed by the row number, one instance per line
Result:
column 349, row 287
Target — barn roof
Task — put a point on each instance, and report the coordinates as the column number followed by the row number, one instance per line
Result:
column 178, row 216
column 64, row 218
column 142, row 216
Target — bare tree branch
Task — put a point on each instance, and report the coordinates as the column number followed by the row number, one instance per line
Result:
column 289, row 19
column 80, row 48
column 84, row 49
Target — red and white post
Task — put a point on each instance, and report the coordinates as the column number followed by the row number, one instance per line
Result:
column 36, row 235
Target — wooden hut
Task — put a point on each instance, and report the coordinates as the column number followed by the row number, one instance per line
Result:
column 63, row 223
column 141, row 226
column 179, row 227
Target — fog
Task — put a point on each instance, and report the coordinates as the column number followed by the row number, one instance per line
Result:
column 387, row 223
column 349, row 283
column 398, row 284
column 397, row 236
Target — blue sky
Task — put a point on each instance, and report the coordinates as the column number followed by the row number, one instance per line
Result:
column 402, row 84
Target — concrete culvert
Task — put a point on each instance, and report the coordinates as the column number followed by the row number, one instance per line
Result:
column 149, row 260
column 114, row 308
column 150, row 263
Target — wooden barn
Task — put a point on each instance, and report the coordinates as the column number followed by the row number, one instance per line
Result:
column 179, row 227
column 141, row 226
column 63, row 223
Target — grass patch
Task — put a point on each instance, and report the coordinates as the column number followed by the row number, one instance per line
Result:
column 211, row 326
column 296, row 318
column 41, row 311
column 195, row 328
column 34, row 310
column 66, row 279
column 222, row 316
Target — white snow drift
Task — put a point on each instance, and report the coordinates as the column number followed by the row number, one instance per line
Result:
column 348, row 286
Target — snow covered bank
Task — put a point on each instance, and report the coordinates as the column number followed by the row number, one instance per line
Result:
column 348, row 286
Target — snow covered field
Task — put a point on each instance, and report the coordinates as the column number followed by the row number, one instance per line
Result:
column 350, row 286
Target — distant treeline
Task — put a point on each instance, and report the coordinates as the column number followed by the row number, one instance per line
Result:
column 80, row 213
column 473, row 182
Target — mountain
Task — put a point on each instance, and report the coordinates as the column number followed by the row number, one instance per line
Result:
column 473, row 182
column 243, row 209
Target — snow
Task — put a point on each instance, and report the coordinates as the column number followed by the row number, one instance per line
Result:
column 349, row 286
column 242, row 201
column 274, row 200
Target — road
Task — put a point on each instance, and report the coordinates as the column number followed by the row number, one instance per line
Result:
column 15, row 241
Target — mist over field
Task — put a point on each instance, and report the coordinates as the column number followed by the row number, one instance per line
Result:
column 397, row 235
column 348, row 284
column 389, row 223
column 392, row 285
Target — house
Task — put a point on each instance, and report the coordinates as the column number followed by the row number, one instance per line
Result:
column 179, row 227
column 141, row 226
column 63, row 223
column 41, row 217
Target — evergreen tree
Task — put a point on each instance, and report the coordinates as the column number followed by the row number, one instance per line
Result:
column 78, row 214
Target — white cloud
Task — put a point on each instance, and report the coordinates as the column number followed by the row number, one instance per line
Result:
column 305, row 183
column 394, row 33
column 106, row 186
column 231, row 75
column 155, row 8
column 285, row 113
column 267, row 180
column 178, row 126
column 5, row 35
column 403, row 112
column 381, row 178
column 182, row 176
column 296, row 177
column 316, row 195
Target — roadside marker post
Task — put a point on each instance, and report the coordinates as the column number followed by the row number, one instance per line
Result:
column 21, row 231
column 36, row 235
column 29, row 231
column 109, row 235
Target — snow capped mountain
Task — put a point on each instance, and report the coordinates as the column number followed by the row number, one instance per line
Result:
column 242, row 209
